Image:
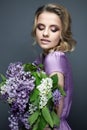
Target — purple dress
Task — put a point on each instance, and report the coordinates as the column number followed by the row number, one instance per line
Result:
column 57, row 62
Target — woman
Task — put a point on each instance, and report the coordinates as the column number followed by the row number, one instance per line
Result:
column 52, row 32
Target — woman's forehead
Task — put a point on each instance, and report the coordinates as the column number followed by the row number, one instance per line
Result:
column 48, row 17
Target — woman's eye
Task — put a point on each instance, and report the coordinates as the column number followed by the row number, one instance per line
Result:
column 40, row 27
column 54, row 29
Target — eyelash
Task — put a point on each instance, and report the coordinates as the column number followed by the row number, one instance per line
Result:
column 41, row 27
column 54, row 30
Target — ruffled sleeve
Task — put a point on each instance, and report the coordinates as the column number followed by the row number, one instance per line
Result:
column 55, row 62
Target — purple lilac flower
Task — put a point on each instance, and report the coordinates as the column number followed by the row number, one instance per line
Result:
column 35, row 63
column 56, row 97
column 16, row 91
column 18, row 86
column 24, row 120
column 13, row 122
column 14, row 69
column 16, row 118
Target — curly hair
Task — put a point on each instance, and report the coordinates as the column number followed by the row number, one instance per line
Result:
column 67, row 43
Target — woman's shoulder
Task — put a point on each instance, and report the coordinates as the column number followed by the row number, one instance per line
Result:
column 56, row 58
column 56, row 61
column 56, row 55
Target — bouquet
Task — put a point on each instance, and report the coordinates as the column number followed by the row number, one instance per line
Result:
column 31, row 95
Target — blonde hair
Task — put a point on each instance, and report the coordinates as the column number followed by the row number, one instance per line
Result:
column 67, row 43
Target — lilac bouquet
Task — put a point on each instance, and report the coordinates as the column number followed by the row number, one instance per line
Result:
column 31, row 95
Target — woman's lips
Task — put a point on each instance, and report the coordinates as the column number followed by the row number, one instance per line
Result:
column 45, row 41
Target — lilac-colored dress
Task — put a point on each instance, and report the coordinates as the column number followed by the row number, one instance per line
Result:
column 57, row 62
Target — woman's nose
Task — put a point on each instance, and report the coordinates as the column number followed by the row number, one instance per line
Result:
column 46, row 33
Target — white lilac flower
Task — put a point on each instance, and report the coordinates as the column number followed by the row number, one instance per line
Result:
column 46, row 85
column 32, row 108
column 43, row 101
column 44, row 88
column 3, row 89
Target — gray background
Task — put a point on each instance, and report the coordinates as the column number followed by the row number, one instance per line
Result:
column 16, row 18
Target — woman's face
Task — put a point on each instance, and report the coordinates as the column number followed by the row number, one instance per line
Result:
column 48, row 30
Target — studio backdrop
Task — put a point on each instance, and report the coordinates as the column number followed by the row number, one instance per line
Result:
column 16, row 44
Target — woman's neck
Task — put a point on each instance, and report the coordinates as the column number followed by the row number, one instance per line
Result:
column 45, row 52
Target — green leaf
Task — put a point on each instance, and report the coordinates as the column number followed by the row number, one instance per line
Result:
column 47, row 116
column 32, row 118
column 37, row 77
column 49, row 95
column 61, row 91
column 55, row 81
column 3, row 77
column 43, row 75
column 34, row 95
column 42, row 123
column 56, row 85
column 56, row 119
column 50, row 103
column 29, row 67
column 35, row 126
column 3, row 80
column 41, row 66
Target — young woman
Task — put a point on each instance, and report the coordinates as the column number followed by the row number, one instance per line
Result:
column 52, row 32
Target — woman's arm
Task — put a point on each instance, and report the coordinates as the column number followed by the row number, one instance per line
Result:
column 59, row 108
